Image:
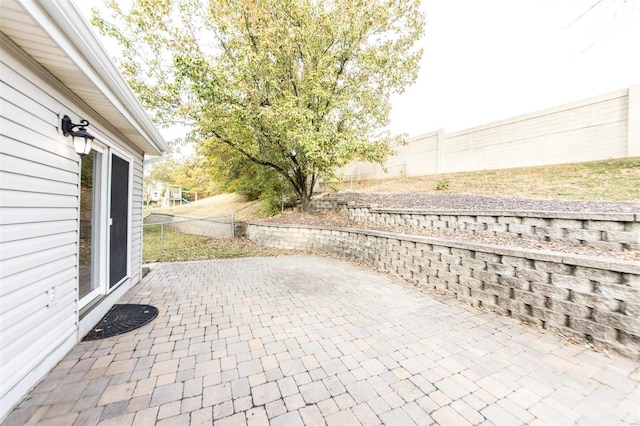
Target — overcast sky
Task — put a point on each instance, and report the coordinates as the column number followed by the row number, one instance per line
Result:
column 493, row 59
column 487, row 60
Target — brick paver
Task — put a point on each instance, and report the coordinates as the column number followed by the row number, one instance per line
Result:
column 311, row 340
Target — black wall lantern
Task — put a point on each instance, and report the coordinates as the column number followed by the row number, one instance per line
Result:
column 81, row 138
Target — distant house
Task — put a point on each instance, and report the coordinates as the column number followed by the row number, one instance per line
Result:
column 70, row 228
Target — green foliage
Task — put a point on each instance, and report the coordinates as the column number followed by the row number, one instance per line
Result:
column 191, row 174
column 297, row 87
column 233, row 173
column 442, row 184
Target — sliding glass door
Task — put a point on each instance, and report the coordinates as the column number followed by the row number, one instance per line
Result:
column 105, row 218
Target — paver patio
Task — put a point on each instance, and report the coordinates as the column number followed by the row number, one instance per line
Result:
column 310, row 340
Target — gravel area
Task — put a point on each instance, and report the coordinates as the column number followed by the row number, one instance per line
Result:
column 469, row 202
column 480, row 202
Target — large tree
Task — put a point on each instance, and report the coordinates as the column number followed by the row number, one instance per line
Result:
column 298, row 86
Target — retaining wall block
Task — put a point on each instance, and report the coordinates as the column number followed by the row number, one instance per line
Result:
column 530, row 298
column 629, row 344
column 476, row 226
column 440, row 266
column 631, row 309
column 533, row 275
column 554, row 267
column 624, row 237
column 599, row 275
column 595, row 301
column 458, row 289
column 569, row 308
column 511, row 220
column 476, row 264
column 605, row 225
column 521, row 229
column 467, row 219
column 571, row 282
column 471, row 283
column 484, row 276
column 616, row 291
column 550, row 291
column 498, row 227
column 438, row 283
column 440, row 224
column 590, row 328
column 483, row 297
column 536, row 221
column 487, row 219
column 442, row 249
column 516, row 283
column 549, row 233
column 567, row 223
column 518, row 262
column 551, row 318
column 451, row 259
column 488, row 257
column 500, row 269
column 449, row 277
column 513, row 305
column 498, row 290
column 618, row 321
column 585, row 235
column 460, row 270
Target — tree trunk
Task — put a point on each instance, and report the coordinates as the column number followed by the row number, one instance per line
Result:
column 301, row 187
column 305, row 202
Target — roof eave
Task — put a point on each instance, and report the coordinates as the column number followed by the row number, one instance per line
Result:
column 92, row 59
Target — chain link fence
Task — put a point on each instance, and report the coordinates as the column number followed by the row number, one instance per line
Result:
column 170, row 237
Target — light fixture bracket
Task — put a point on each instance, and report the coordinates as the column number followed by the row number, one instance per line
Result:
column 81, row 138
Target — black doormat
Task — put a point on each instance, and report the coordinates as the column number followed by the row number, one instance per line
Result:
column 122, row 319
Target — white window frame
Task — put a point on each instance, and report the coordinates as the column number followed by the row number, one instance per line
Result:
column 98, row 262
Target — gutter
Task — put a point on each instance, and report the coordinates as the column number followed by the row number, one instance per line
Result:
column 157, row 159
column 99, row 63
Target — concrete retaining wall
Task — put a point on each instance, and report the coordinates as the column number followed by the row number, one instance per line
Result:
column 594, row 299
column 613, row 231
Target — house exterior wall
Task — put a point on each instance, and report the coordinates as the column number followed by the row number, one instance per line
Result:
column 596, row 128
column 39, row 224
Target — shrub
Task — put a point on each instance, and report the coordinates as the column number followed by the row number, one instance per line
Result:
column 442, row 184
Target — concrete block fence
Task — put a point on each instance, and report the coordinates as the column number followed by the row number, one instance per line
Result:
column 598, row 128
column 594, row 299
column 614, row 231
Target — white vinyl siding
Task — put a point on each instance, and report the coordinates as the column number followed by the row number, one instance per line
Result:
column 38, row 225
column 39, row 210
column 136, row 220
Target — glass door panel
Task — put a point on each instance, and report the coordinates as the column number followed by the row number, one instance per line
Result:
column 90, row 187
column 119, row 222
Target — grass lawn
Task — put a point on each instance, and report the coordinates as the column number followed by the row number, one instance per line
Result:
column 610, row 180
column 169, row 245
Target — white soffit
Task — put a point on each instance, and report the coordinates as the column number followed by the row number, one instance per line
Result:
column 57, row 36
